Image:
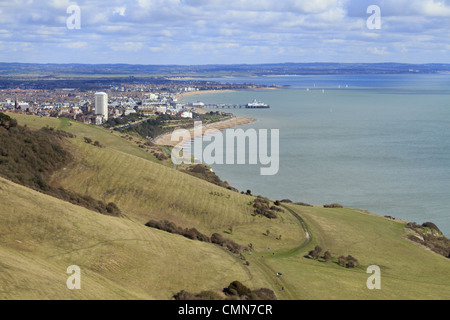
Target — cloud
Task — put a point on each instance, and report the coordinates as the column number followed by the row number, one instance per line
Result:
column 145, row 31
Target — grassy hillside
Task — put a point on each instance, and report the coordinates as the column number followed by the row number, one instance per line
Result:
column 407, row 270
column 41, row 236
column 124, row 259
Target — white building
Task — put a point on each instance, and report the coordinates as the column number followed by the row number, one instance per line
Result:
column 101, row 105
column 186, row 115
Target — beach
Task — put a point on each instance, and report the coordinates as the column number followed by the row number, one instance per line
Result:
column 234, row 121
column 180, row 96
column 166, row 139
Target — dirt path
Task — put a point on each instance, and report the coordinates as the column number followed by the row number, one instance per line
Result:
column 284, row 289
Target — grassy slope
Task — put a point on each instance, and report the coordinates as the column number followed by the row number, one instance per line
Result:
column 41, row 236
column 145, row 189
column 407, row 271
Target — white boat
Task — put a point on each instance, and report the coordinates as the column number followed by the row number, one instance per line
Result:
column 255, row 104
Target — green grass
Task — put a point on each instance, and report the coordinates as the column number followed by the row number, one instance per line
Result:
column 40, row 236
column 105, row 137
column 407, row 271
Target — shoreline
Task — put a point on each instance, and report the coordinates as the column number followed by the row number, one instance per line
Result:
column 182, row 95
column 165, row 139
column 234, row 121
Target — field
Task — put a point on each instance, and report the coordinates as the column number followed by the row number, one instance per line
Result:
column 41, row 236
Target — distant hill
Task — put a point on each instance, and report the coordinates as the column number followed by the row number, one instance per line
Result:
column 65, row 71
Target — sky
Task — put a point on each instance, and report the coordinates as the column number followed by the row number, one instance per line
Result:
column 198, row 32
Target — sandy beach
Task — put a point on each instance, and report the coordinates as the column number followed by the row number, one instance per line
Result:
column 165, row 140
column 180, row 96
column 200, row 92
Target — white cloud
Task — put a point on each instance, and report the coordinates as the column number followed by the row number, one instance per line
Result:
column 76, row 45
column 120, row 11
column 222, row 31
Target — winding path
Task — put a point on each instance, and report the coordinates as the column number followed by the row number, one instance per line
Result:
column 285, row 291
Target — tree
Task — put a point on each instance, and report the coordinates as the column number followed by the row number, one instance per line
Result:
column 7, row 122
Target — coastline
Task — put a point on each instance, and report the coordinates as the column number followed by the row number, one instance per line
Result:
column 182, row 95
column 165, row 139
column 234, row 121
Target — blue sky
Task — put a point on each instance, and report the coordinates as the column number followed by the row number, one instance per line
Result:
column 224, row 32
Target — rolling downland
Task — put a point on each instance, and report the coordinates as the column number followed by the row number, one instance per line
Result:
column 121, row 258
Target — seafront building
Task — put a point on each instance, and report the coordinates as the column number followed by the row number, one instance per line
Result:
column 101, row 107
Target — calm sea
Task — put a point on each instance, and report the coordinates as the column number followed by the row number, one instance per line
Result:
column 375, row 142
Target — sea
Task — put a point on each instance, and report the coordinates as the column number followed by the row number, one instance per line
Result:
column 375, row 142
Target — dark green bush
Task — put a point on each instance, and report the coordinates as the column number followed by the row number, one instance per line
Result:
column 333, row 205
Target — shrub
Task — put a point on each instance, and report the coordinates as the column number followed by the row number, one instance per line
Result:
column 262, row 207
column 318, row 249
column 98, row 144
column 234, row 247
column 7, row 122
column 327, row 256
column 431, row 225
column 348, row 262
column 204, row 295
column 303, row 204
column 87, row 140
column 170, row 227
column 333, row 205
column 314, row 254
column 113, row 209
column 277, row 209
column 262, row 294
column 236, row 288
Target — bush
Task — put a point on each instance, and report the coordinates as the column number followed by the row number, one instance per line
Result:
column 262, row 294
column 87, row 140
column 234, row 247
column 236, row 288
column 348, row 262
column 7, row 122
column 276, row 209
column 333, row 205
column 113, row 209
column 315, row 253
column 204, row 295
column 170, row 227
column 235, row 291
column 98, row 144
column 303, row 204
column 262, row 207
column 431, row 225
